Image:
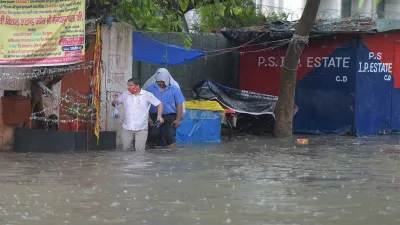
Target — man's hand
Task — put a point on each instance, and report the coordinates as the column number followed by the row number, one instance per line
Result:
column 114, row 103
column 159, row 118
column 176, row 123
column 151, row 123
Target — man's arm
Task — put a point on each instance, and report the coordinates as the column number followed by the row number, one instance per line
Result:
column 179, row 100
column 160, row 109
column 155, row 102
column 179, row 109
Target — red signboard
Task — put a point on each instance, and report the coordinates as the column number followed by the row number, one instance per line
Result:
column 260, row 71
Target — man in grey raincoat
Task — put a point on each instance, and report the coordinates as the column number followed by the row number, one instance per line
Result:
column 168, row 92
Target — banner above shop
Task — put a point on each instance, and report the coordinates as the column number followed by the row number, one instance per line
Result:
column 151, row 51
column 41, row 33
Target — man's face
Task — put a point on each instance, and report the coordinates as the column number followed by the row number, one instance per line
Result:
column 131, row 84
column 132, row 87
column 161, row 84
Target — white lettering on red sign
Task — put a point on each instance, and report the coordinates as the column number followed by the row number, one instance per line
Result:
column 312, row 62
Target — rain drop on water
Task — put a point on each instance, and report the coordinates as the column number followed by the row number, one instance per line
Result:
column 115, row 204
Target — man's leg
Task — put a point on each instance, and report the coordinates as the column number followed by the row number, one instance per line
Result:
column 169, row 131
column 140, row 140
column 127, row 137
column 153, row 133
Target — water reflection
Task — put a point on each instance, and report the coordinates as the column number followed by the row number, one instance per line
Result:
column 251, row 180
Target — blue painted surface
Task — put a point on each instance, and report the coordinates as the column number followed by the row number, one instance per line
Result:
column 395, row 117
column 366, row 104
column 373, row 97
column 325, row 96
column 200, row 126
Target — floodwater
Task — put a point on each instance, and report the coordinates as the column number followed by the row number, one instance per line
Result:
column 249, row 180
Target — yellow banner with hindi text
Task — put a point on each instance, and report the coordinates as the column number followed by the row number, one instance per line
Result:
column 41, row 32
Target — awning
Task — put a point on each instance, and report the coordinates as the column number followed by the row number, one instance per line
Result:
column 148, row 50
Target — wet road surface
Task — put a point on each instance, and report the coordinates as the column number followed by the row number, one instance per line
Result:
column 250, row 180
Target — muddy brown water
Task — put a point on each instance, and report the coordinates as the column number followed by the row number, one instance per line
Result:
column 249, row 180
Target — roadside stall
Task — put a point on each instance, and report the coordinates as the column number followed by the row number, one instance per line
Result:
column 202, row 122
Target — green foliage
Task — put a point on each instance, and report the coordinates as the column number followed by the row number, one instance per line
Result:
column 166, row 15
column 361, row 3
column 154, row 16
column 233, row 14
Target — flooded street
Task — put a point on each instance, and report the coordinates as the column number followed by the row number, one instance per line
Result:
column 249, row 180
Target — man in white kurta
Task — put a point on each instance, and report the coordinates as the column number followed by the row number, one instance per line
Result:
column 136, row 104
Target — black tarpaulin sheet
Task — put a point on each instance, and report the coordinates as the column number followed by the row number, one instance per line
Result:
column 238, row 100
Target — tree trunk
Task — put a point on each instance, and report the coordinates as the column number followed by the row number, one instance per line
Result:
column 284, row 109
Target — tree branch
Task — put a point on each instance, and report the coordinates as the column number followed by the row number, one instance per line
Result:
column 128, row 16
column 174, row 4
column 197, row 2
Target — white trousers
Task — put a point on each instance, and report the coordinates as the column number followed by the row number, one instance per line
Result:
column 137, row 136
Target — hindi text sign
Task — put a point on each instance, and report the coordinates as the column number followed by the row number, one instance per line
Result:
column 41, row 32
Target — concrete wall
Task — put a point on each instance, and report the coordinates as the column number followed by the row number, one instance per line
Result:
column 388, row 9
column 294, row 8
column 223, row 69
column 115, row 72
column 329, row 9
column 392, row 8
column 368, row 9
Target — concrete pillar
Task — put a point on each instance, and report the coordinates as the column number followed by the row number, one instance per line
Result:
column 269, row 6
column 346, row 8
column 295, row 8
column 330, row 9
column 368, row 9
column 392, row 9
column 272, row 3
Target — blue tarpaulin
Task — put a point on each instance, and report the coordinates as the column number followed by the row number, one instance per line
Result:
column 151, row 51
